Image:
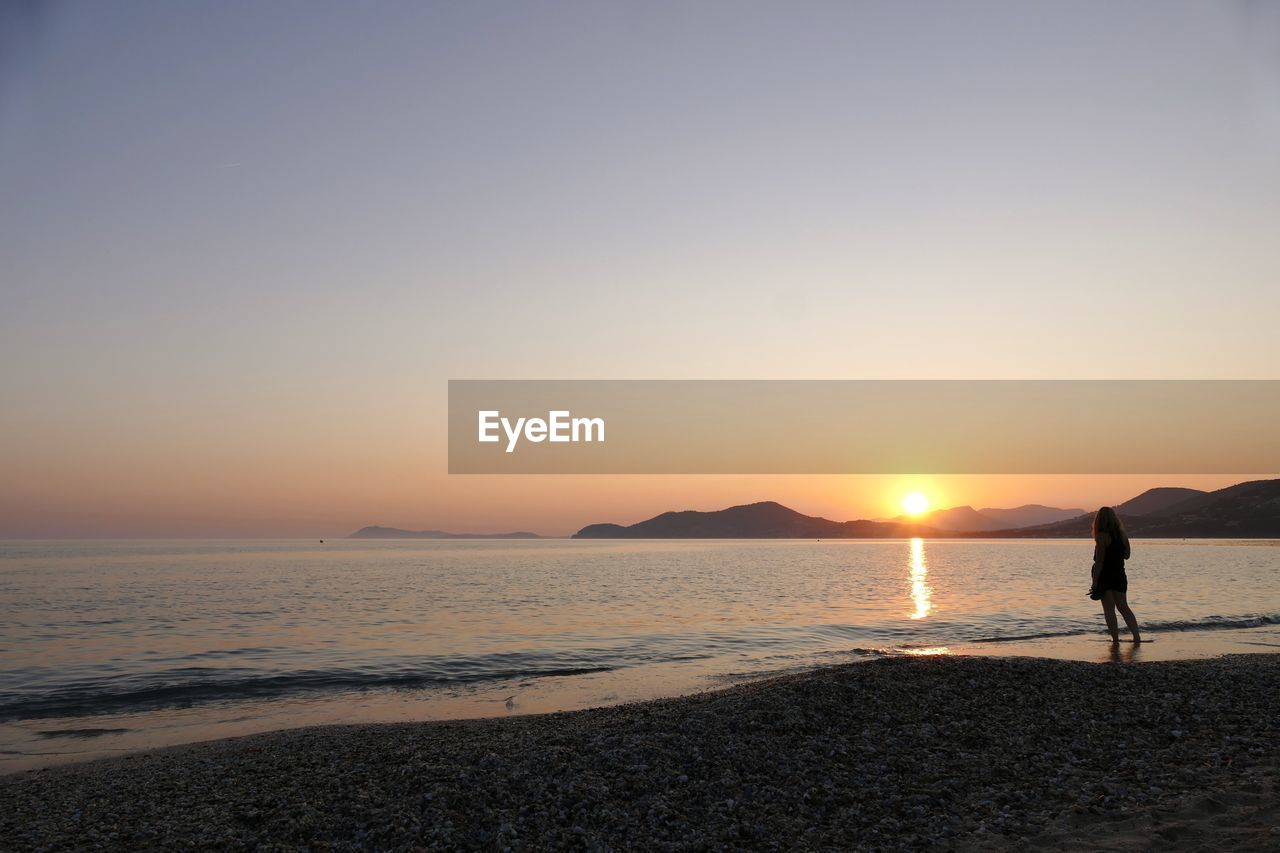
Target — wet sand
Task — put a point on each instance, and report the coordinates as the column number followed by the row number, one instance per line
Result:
column 964, row 752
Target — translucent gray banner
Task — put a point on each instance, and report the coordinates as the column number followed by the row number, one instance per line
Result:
column 863, row 427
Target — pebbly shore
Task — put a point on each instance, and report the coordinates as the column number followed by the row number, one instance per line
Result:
column 894, row 754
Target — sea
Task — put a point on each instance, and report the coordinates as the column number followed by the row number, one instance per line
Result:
column 113, row 646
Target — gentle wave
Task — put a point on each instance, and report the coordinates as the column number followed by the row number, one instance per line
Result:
column 189, row 686
column 83, row 733
column 83, row 702
column 1211, row 623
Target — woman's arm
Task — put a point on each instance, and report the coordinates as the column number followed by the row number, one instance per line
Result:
column 1099, row 554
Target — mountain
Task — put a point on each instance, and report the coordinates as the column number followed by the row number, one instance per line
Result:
column 966, row 519
column 1156, row 501
column 1246, row 510
column 960, row 519
column 1028, row 515
column 397, row 533
column 765, row 520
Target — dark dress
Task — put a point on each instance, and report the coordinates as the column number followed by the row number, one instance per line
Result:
column 1112, row 575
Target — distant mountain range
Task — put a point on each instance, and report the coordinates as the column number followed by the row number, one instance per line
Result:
column 765, row 520
column 966, row 519
column 1246, row 510
column 397, row 533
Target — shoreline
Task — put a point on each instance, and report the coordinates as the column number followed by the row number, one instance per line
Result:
column 894, row 753
column 45, row 742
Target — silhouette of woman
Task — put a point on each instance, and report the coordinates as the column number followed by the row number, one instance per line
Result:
column 1110, row 584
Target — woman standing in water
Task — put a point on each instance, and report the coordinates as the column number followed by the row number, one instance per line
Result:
column 1110, row 550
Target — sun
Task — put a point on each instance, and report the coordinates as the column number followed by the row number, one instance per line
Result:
column 915, row 503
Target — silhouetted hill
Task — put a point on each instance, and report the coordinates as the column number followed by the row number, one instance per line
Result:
column 960, row 519
column 766, row 520
column 375, row 532
column 1072, row 528
column 966, row 519
column 1156, row 501
column 1028, row 515
column 1246, row 510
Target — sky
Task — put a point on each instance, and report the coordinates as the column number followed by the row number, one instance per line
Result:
column 243, row 246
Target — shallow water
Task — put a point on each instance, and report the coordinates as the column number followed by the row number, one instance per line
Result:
column 112, row 645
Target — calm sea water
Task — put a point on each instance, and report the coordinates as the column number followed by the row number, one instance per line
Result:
column 104, row 639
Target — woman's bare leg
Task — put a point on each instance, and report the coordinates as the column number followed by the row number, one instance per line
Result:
column 1122, row 604
column 1109, row 613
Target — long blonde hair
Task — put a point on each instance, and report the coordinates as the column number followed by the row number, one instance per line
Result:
column 1108, row 521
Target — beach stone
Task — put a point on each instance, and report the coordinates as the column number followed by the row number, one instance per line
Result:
column 891, row 754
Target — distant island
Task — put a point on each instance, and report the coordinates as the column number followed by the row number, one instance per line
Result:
column 375, row 532
column 1246, row 510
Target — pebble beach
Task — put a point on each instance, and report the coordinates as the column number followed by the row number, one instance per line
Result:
column 945, row 752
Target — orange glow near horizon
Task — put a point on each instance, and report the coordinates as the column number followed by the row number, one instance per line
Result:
column 104, row 491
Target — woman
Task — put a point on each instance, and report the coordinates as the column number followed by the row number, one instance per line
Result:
column 1110, row 550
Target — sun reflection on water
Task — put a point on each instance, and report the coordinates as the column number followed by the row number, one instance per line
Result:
column 921, row 594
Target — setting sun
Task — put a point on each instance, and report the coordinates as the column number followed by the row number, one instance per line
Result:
column 915, row 503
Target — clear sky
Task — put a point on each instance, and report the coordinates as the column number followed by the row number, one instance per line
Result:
column 244, row 245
